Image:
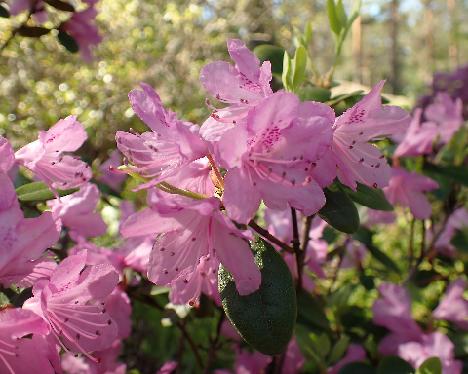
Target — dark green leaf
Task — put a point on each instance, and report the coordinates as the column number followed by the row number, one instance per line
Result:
column 456, row 173
column 383, row 258
column 311, row 312
column 61, row 5
column 340, row 212
column 312, row 93
column 357, row 368
column 33, row 31
column 393, row 365
column 68, row 42
column 39, row 191
column 272, row 53
column 339, row 349
column 460, row 240
column 422, row 278
column 265, row 318
column 370, row 197
column 4, row 13
column 431, row 366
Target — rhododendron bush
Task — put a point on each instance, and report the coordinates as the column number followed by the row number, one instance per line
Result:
column 293, row 230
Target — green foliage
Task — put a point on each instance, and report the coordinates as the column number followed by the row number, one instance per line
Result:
column 68, row 41
column 431, row 366
column 39, row 191
column 265, row 318
column 357, row 368
column 370, row 197
column 272, row 53
column 394, row 364
column 340, row 212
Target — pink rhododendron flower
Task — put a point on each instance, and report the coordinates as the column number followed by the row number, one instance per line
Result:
column 419, row 138
column 249, row 363
column 355, row 253
column 431, row 345
column 351, row 157
column 393, row 311
column 77, row 212
column 37, row 6
column 293, row 359
column 170, row 145
column 44, row 157
column 457, row 221
column 108, row 174
column 355, row 353
column 73, row 304
column 447, row 114
column 23, row 241
column 188, row 231
column 81, row 26
column 376, row 217
column 24, row 347
column 272, row 156
column 407, row 189
column 96, row 255
column 119, row 308
column 454, row 307
column 168, row 368
column 7, row 155
column 242, row 85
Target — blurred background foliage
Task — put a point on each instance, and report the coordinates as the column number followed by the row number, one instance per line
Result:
column 165, row 43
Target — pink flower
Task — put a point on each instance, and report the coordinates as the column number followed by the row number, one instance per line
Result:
column 454, row 307
column 355, row 253
column 272, row 156
column 7, row 155
column 119, row 308
column 73, row 304
column 376, row 217
column 242, row 85
column 44, row 157
column 431, row 345
column 407, row 189
column 249, row 363
column 170, row 145
column 24, row 345
column 190, row 230
column 108, row 174
column 23, row 241
column 393, row 311
column 354, row 353
column 457, row 221
column 77, row 212
column 168, row 368
column 20, row 6
column 81, row 26
column 447, row 114
column 293, row 360
column 419, row 138
column 351, row 157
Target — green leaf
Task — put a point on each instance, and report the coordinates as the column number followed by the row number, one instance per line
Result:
column 455, row 173
column 341, row 14
column 460, row 240
column 312, row 93
column 339, row 349
column 394, row 364
column 370, row 197
column 311, row 312
column 357, row 368
column 61, row 5
column 299, row 64
column 308, row 32
column 266, row 317
column 340, row 212
column 321, row 344
column 333, row 18
column 431, row 366
column 286, row 71
column 4, row 13
column 39, row 191
column 33, row 31
column 68, row 42
column 272, row 53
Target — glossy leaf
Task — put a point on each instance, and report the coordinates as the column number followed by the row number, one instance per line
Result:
column 431, row 366
column 33, row 31
column 340, row 212
column 61, row 5
column 68, row 42
column 299, row 65
column 357, row 368
column 333, row 18
column 312, row 93
column 371, row 197
column 394, row 364
column 272, row 53
column 265, row 318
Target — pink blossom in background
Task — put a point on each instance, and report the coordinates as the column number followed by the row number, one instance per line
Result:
column 189, row 230
column 23, row 241
column 293, row 359
column 22, row 352
column 7, row 155
column 168, row 368
column 242, row 86
column 73, row 304
column 376, row 217
column 447, row 114
column 108, row 174
column 77, row 212
column 45, row 158
column 355, row 254
column 419, row 138
column 170, row 145
column 250, row 362
column 351, row 154
column 393, row 310
column 457, row 221
column 82, row 27
column 355, row 353
column 272, row 157
column 407, row 189
column 431, row 345
column 453, row 306
column 96, row 255
column 20, row 6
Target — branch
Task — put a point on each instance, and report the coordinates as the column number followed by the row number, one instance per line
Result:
column 265, row 234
